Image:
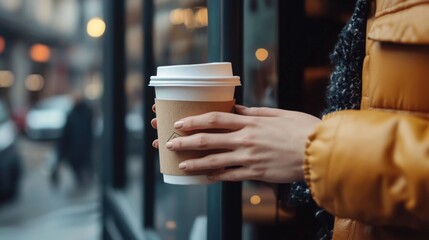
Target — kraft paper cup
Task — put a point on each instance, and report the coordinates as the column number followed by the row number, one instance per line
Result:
column 187, row 90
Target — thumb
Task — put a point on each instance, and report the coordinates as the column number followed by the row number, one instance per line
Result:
column 257, row 111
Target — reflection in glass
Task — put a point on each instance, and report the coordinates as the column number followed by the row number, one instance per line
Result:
column 180, row 38
column 260, row 39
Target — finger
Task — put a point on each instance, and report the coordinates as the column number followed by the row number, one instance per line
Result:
column 154, row 108
column 212, row 120
column 154, row 123
column 210, row 162
column 233, row 175
column 202, row 141
column 257, row 111
column 155, row 144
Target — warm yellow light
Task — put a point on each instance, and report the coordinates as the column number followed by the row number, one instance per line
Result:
column 255, row 200
column 261, row 54
column 93, row 90
column 2, row 44
column 177, row 16
column 188, row 16
column 34, row 82
column 6, row 79
column 94, row 87
column 170, row 225
column 40, row 53
column 202, row 17
column 95, row 27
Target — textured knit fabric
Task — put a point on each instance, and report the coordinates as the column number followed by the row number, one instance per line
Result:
column 345, row 87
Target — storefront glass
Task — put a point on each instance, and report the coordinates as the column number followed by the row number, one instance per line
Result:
column 180, row 37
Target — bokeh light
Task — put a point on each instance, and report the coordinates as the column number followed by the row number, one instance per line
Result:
column 40, row 53
column 202, row 17
column 96, row 27
column 176, row 16
column 34, row 82
column 255, row 199
column 191, row 18
column 6, row 79
column 261, row 54
column 2, row 44
column 170, row 225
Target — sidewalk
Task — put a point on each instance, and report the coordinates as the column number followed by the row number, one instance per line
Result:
column 70, row 223
column 44, row 212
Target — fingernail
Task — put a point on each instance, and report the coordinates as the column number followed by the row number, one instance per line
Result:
column 178, row 124
column 240, row 106
column 154, row 144
column 211, row 177
column 182, row 165
column 169, row 145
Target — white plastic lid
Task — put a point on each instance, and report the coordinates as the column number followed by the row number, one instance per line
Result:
column 207, row 74
column 220, row 69
column 187, row 180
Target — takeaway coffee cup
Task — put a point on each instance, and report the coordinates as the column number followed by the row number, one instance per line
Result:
column 187, row 90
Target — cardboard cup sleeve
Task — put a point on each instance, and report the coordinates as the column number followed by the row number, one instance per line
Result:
column 170, row 111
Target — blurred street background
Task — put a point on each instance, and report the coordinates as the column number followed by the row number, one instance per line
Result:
column 50, row 62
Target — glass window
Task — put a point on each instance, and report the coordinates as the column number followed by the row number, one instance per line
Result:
column 261, row 215
column 180, row 38
column 264, row 217
column 260, row 53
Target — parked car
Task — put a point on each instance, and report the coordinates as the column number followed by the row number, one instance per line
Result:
column 10, row 161
column 45, row 121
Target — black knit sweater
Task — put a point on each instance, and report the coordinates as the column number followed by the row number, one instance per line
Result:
column 344, row 90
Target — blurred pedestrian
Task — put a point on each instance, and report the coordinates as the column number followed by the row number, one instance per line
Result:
column 75, row 145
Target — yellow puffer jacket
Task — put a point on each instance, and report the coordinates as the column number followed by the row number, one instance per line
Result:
column 370, row 168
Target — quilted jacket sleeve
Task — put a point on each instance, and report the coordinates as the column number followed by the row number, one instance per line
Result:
column 371, row 166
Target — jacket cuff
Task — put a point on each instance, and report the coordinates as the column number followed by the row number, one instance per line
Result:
column 319, row 149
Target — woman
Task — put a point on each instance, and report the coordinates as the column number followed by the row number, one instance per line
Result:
column 368, row 167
